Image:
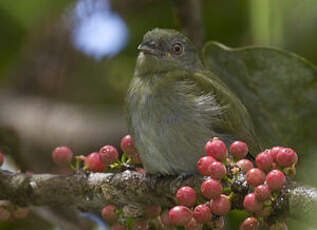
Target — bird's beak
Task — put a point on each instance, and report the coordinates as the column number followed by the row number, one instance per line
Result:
column 148, row 47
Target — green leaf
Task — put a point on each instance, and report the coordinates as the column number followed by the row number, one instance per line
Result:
column 278, row 88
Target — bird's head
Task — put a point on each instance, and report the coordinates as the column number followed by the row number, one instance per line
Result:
column 164, row 50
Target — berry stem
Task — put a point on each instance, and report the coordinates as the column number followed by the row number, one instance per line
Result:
column 72, row 166
column 124, row 157
column 228, row 179
column 231, row 195
column 267, row 204
column 85, row 168
column 116, row 164
column 77, row 163
column 226, row 189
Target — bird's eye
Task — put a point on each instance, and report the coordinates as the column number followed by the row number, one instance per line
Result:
column 177, row 49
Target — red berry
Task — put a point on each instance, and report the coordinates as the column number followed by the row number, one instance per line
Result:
column 216, row 148
column 1, row 158
column 211, row 188
column 274, row 165
column 238, row 149
column 180, row 215
column 4, row 214
column 264, row 160
column 262, row 192
column 109, row 214
column 186, row 196
column 245, row 165
column 217, row 170
column 255, row 177
column 108, row 154
column 203, row 164
column 140, row 224
column 296, row 158
column 286, row 157
column 193, row 225
column 202, row 214
column 251, row 204
column 275, row 179
column 93, row 163
column 62, row 155
column 220, row 206
column 20, row 213
column 127, row 144
column 118, row 226
column 140, row 170
column 152, row 211
column 249, row 223
column 274, row 151
column 165, row 218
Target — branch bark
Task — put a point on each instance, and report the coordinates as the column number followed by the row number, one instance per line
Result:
column 90, row 192
column 302, row 203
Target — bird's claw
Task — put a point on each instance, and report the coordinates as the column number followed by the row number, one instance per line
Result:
column 183, row 176
column 152, row 179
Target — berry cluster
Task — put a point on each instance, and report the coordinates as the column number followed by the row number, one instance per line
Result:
column 220, row 170
column 267, row 180
column 107, row 156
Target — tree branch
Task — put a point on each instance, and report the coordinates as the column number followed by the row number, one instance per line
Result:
column 302, row 203
column 90, row 192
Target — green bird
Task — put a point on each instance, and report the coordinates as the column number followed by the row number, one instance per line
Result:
column 175, row 105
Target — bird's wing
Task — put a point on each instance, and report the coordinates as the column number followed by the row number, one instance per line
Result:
column 278, row 88
column 234, row 119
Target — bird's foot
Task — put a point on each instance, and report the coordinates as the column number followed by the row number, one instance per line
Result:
column 152, row 179
column 183, row 176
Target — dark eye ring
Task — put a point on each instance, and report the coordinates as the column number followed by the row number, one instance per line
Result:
column 177, row 49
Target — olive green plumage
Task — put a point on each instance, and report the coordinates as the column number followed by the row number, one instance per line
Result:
column 175, row 105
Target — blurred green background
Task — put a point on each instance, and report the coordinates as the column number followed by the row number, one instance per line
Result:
column 60, row 85
column 38, row 58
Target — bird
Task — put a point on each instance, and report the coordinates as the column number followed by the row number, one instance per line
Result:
column 175, row 105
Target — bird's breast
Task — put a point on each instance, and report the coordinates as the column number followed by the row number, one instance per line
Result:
column 171, row 126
